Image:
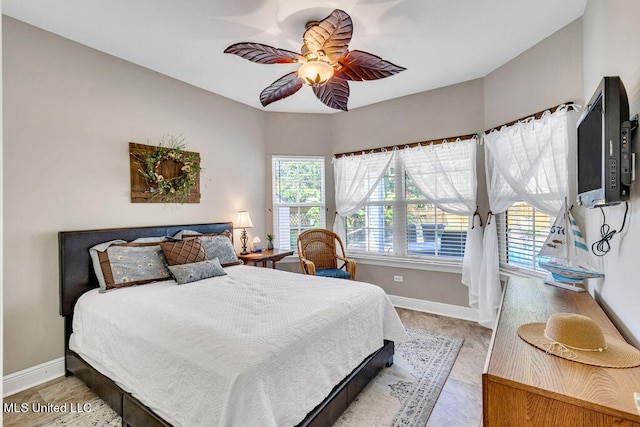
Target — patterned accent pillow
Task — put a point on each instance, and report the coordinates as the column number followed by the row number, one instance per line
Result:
column 128, row 264
column 183, row 251
column 187, row 273
column 217, row 246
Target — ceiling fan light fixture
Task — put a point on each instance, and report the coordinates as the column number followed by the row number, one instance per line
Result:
column 327, row 62
column 316, row 73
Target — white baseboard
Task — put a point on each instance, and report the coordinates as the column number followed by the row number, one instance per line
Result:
column 30, row 377
column 449, row 310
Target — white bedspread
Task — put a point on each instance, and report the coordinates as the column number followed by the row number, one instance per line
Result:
column 258, row 347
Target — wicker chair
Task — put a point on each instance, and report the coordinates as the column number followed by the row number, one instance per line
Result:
column 317, row 250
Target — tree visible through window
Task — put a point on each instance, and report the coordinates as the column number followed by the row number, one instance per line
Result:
column 298, row 197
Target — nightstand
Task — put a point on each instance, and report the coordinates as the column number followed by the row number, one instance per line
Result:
column 273, row 255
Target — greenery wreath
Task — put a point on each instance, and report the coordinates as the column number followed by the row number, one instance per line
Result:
column 176, row 188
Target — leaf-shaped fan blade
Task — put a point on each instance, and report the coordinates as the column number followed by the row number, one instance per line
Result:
column 263, row 54
column 331, row 35
column 334, row 93
column 358, row 65
column 285, row 86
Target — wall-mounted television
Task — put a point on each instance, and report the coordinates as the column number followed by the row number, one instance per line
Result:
column 604, row 146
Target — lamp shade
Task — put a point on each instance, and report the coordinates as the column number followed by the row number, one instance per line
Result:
column 243, row 220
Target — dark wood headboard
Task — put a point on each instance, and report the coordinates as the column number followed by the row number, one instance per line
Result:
column 76, row 269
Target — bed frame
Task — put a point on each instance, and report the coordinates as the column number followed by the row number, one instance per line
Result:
column 77, row 277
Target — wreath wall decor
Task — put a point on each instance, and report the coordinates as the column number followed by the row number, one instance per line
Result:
column 165, row 173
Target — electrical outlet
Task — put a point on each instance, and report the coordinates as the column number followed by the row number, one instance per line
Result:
column 397, row 278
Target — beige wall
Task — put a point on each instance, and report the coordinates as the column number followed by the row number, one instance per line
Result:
column 449, row 111
column 69, row 112
column 546, row 75
column 611, row 46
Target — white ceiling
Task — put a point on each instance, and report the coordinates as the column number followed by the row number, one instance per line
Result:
column 440, row 42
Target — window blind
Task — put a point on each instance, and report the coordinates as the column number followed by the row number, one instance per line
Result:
column 522, row 230
column 298, row 196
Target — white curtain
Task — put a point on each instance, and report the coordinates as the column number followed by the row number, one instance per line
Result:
column 532, row 158
column 446, row 175
column 355, row 179
column 526, row 161
column 501, row 196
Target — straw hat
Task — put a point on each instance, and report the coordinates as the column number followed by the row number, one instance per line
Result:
column 580, row 339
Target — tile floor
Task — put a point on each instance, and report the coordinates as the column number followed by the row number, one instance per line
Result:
column 460, row 403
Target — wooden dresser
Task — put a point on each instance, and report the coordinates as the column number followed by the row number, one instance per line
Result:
column 524, row 386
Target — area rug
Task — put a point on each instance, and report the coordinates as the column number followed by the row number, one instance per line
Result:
column 404, row 394
column 400, row 396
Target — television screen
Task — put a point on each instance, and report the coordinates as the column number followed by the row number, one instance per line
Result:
column 604, row 156
column 590, row 149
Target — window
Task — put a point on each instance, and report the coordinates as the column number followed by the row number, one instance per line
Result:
column 371, row 228
column 522, row 230
column 398, row 221
column 298, row 197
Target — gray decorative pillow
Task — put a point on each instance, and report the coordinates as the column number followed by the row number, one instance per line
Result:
column 187, row 273
column 95, row 259
column 217, row 246
column 128, row 264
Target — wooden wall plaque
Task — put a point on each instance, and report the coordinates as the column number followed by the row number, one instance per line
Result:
column 142, row 192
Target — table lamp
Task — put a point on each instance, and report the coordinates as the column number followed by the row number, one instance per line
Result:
column 243, row 221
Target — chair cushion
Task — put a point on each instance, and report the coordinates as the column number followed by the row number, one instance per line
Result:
column 333, row 272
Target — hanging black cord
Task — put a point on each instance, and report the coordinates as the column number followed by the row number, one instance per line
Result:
column 602, row 247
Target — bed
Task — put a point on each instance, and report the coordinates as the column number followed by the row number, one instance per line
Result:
column 255, row 374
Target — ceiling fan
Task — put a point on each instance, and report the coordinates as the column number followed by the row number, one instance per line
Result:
column 327, row 64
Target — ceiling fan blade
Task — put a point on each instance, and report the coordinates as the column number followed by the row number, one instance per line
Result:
column 285, row 86
column 264, row 54
column 334, row 93
column 358, row 65
column 331, row 35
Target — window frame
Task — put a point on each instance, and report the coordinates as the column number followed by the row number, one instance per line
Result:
column 400, row 204
column 275, row 204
